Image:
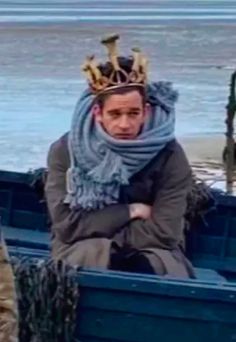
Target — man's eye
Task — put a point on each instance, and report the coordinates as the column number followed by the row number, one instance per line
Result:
column 134, row 113
column 114, row 115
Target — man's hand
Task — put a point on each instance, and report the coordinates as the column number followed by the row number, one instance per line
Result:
column 139, row 210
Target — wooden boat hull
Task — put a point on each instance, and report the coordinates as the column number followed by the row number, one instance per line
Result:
column 124, row 307
column 117, row 306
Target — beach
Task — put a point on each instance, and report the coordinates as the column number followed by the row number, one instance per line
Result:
column 204, row 148
column 41, row 77
column 205, row 156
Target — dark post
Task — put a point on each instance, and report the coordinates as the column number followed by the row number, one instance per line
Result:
column 231, row 109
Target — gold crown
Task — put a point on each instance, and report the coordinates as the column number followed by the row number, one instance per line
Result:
column 118, row 76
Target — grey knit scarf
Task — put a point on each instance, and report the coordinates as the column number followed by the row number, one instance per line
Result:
column 100, row 164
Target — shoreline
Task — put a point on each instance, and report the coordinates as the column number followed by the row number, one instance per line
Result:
column 203, row 148
column 200, row 150
column 203, row 152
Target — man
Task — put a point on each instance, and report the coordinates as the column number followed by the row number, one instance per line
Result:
column 117, row 183
column 8, row 306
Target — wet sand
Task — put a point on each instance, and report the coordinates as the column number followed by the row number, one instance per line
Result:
column 41, row 81
column 204, row 148
column 205, row 156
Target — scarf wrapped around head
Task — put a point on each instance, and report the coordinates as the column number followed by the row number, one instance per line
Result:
column 100, row 164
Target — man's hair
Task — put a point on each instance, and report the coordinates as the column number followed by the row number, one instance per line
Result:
column 126, row 64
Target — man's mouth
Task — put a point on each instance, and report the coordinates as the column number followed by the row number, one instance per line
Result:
column 123, row 136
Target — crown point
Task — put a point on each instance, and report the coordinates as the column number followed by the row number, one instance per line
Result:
column 135, row 49
column 110, row 39
column 90, row 57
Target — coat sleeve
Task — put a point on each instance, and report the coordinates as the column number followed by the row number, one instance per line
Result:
column 8, row 301
column 68, row 225
column 165, row 227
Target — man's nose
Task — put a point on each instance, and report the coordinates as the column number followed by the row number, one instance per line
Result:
column 124, row 122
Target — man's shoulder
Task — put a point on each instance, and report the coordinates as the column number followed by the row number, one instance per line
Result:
column 177, row 161
column 173, row 150
column 59, row 150
column 178, row 152
column 171, row 157
column 60, row 143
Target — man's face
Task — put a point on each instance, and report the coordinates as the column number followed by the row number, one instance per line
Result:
column 122, row 115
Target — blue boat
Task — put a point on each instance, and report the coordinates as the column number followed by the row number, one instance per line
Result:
column 118, row 306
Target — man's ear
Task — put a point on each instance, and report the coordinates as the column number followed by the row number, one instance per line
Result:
column 97, row 112
column 147, row 109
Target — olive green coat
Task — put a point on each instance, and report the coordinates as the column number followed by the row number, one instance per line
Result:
column 84, row 238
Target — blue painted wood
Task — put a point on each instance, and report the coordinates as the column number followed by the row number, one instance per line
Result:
column 187, row 289
column 214, row 244
column 19, row 252
column 15, row 177
column 25, row 238
column 122, row 307
column 117, row 306
column 114, row 326
column 211, row 246
column 19, row 204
